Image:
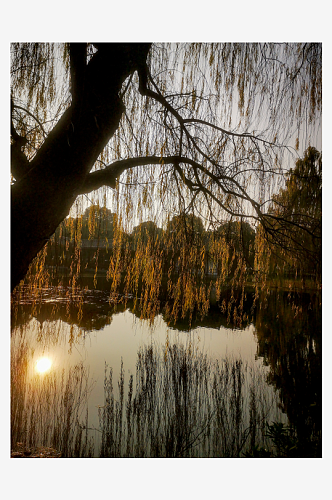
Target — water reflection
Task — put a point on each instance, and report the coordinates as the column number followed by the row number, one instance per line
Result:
column 46, row 410
column 289, row 333
column 207, row 387
column 185, row 405
column 43, row 365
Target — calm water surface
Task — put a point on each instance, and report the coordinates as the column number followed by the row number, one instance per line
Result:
column 122, row 340
column 93, row 337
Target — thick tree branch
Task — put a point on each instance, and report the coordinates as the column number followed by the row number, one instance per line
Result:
column 109, row 175
column 42, row 198
column 78, row 52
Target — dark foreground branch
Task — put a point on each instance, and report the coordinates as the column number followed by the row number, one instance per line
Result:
column 109, row 175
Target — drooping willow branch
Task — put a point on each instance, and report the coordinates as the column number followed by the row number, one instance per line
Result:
column 109, row 175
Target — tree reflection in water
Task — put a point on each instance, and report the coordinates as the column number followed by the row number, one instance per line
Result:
column 48, row 409
column 180, row 403
column 185, row 405
column 289, row 333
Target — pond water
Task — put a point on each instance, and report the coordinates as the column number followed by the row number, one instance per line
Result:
column 92, row 380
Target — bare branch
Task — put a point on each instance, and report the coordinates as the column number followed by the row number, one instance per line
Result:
column 109, row 175
column 228, row 132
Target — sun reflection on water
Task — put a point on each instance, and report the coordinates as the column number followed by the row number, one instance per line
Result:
column 43, row 365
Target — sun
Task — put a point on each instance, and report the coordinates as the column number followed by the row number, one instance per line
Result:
column 43, row 365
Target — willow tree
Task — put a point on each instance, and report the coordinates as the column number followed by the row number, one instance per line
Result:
column 199, row 128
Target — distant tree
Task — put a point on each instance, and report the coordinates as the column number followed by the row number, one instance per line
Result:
column 98, row 223
column 145, row 231
column 198, row 127
column 297, row 216
column 185, row 224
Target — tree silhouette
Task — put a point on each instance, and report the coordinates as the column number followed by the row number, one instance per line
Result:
column 200, row 127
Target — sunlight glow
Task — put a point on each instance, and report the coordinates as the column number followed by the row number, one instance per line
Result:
column 43, row 365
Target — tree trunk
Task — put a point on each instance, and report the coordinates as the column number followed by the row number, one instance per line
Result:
column 42, row 198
